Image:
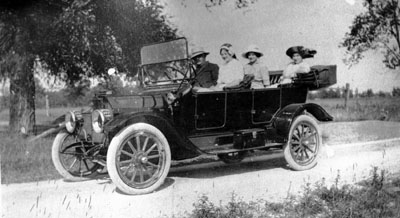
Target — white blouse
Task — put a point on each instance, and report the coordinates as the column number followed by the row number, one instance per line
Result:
column 292, row 69
column 231, row 72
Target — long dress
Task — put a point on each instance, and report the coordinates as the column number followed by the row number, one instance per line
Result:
column 260, row 72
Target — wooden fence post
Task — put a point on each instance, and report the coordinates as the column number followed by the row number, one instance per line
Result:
column 47, row 106
column 347, row 95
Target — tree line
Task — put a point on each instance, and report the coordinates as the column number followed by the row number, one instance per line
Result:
column 340, row 92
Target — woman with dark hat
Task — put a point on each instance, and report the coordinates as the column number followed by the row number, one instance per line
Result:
column 256, row 68
column 297, row 54
column 206, row 73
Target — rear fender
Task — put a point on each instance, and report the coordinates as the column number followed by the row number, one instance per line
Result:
column 181, row 147
column 284, row 118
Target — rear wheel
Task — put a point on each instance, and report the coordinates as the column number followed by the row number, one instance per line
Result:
column 303, row 147
column 138, row 159
column 72, row 157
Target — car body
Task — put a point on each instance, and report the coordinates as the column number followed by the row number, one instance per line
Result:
column 136, row 136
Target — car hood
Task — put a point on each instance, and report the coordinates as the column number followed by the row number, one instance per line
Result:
column 136, row 101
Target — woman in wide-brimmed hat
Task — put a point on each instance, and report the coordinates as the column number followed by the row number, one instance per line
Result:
column 256, row 68
column 206, row 73
column 231, row 71
column 297, row 54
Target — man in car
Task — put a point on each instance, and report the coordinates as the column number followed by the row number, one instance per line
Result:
column 206, row 73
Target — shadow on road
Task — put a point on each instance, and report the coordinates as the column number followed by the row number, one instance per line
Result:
column 217, row 169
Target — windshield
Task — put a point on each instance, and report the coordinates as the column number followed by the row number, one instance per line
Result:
column 165, row 63
column 164, row 52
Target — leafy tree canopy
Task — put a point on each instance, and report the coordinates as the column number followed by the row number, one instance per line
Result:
column 377, row 28
column 77, row 39
column 73, row 40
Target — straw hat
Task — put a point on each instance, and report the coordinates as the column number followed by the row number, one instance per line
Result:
column 197, row 52
column 254, row 49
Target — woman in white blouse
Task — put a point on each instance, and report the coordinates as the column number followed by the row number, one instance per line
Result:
column 256, row 68
column 231, row 72
column 297, row 54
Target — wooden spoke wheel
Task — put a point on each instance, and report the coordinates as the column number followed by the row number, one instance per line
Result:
column 72, row 158
column 138, row 159
column 304, row 143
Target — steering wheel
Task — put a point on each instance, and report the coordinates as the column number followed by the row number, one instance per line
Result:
column 174, row 69
column 183, row 87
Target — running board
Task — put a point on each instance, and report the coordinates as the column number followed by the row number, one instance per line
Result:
column 228, row 148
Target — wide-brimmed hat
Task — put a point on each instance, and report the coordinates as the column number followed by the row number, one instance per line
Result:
column 197, row 52
column 254, row 49
column 303, row 52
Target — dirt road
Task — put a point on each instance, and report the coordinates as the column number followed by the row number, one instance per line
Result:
column 265, row 177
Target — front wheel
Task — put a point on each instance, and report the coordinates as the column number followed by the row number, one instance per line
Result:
column 72, row 157
column 303, row 147
column 138, row 159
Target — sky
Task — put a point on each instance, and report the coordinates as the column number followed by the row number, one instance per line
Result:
column 276, row 25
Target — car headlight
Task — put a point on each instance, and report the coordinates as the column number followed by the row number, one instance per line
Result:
column 71, row 119
column 99, row 118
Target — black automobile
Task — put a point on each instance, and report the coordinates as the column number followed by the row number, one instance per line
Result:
column 136, row 136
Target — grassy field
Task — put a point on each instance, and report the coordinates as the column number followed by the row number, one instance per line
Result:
column 40, row 114
column 23, row 161
column 375, row 108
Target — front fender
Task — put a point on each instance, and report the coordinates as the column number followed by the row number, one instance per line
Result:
column 181, row 147
column 284, row 118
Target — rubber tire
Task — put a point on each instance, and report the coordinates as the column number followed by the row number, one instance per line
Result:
column 55, row 156
column 286, row 150
column 112, row 152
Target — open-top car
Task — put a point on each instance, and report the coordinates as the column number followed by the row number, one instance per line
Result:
column 136, row 136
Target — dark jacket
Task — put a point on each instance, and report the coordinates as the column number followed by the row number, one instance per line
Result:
column 206, row 75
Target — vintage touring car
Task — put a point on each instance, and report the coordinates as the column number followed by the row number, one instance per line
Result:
column 136, row 136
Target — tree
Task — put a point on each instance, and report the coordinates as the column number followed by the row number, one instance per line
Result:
column 369, row 93
column 73, row 39
column 396, row 92
column 22, row 26
column 135, row 23
column 30, row 31
column 79, row 46
column 377, row 28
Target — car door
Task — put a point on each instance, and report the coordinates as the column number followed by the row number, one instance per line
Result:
column 293, row 95
column 265, row 103
column 210, row 110
column 239, row 107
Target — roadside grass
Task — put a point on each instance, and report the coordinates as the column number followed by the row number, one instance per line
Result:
column 24, row 161
column 374, row 108
column 377, row 196
column 40, row 114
